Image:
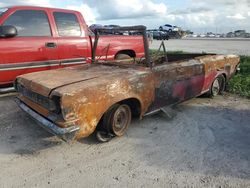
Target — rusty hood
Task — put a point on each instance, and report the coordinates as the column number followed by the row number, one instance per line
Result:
column 46, row 82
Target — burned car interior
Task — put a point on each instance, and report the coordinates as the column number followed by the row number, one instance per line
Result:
column 161, row 56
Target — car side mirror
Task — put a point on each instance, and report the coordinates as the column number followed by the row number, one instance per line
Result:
column 7, row 31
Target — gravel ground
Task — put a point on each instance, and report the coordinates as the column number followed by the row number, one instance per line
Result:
column 205, row 145
column 219, row 46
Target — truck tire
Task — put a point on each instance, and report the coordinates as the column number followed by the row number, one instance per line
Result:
column 122, row 56
column 117, row 119
column 218, row 86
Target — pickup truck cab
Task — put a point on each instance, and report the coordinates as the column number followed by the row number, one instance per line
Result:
column 49, row 38
column 73, row 102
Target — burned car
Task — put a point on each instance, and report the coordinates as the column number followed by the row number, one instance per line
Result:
column 73, row 102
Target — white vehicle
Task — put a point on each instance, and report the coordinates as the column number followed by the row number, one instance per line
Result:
column 202, row 35
column 168, row 27
column 211, row 35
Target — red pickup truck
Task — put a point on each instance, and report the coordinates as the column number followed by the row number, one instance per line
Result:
column 36, row 39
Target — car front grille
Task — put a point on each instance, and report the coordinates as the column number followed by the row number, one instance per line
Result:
column 37, row 98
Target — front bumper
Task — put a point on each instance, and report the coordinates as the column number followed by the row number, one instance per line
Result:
column 65, row 134
column 7, row 90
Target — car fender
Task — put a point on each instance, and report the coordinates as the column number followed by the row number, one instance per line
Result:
column 86, row 107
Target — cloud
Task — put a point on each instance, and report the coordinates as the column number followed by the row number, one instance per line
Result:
column 237, row 16
column 191, row 11
column 214, row 14
column 189, row 14
column 86, row 11
column 129, row 9
column 197, row 14
column 46, row 3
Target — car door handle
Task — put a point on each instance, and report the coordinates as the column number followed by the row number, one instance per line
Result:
column 51, row 45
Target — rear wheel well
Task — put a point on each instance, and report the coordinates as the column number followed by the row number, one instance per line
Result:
column 225, row 79
column 218, row 85
column 130, row 53
column 225, row 76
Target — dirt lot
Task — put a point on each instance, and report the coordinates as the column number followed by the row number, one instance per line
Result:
column 220, row 46
column 205, row 145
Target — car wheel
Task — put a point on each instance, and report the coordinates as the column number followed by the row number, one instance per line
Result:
column 103, row 136
column 122, row 56
column 117, row 119
column 218, row 86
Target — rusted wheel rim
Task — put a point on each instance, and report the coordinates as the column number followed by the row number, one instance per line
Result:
column 121, row 120
column 216, row 87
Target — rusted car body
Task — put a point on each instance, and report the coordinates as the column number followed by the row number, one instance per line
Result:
column 72, row 102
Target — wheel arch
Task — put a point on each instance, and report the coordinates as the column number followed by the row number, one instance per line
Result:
column 134, row 104
column 128, row 52
column 223, row 73
column 219, row 74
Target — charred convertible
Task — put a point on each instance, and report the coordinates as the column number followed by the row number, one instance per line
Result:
column 73, row 102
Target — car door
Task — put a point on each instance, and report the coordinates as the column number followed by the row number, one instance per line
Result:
column 177, row 82
column 33, row 49
column 72, row 39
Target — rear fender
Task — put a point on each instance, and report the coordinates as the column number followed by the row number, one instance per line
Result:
column 223, row 73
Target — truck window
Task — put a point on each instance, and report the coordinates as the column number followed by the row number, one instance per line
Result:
column 30, row 23
column 67, row 24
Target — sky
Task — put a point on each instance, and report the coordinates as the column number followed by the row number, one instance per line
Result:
column 197, row 15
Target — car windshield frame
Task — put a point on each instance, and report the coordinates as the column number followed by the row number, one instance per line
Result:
column 3, row 10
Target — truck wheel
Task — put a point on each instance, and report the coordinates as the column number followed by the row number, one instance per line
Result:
column 122, row 56
column 117, row 119
column 218, row 86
